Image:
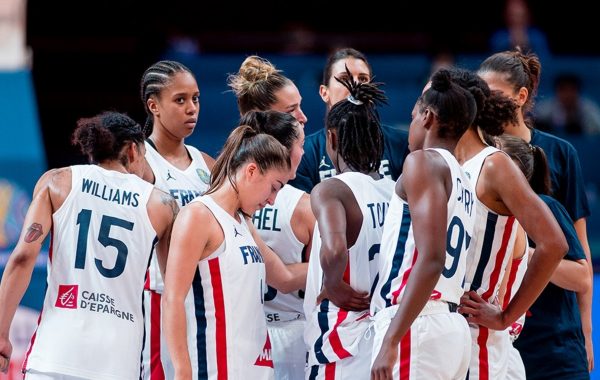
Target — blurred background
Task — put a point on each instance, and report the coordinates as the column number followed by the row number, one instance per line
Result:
column 60, row 61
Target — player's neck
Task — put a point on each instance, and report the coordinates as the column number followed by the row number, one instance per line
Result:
column 228, row 199
column 114, row 166
column 172, row 150
column 441, row 143
column 519, row 129
column 468, row 146
column 168, row 145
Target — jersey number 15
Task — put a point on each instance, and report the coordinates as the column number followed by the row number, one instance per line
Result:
column 83, row 220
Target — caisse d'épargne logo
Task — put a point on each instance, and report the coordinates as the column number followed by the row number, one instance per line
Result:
column 67, row 296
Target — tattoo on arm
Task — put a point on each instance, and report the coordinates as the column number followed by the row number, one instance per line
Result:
column 33, row 232
column 168, row 200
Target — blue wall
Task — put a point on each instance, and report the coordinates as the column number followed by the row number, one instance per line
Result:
column 22, row 161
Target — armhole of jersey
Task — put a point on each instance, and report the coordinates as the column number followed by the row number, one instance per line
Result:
column 483, row 163
column 149, row 156
column 479, row 202
column 293, row 211
column 196, row 154
column 223, row 246
column 147, row 214
column 364, row 220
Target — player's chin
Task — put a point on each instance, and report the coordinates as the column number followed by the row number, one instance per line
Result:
column 250, row 210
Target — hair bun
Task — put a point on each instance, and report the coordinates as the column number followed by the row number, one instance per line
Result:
column 441, row 81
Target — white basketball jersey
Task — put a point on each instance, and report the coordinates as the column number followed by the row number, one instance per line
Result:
column 517, row 272
column 493, row 239
column 183, row 185
column 332, row 333
column 232, row 339
column 274, row 225
column 399, row 253
column 92, row 324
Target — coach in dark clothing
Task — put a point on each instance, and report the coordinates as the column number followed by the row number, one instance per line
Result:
column 315, row 164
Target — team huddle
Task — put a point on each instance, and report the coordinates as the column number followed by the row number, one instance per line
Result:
column 455, row 251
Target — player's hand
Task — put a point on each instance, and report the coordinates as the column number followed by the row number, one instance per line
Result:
column 383, row 366
column 481, row 312
column 5, row 352
column 344, row 297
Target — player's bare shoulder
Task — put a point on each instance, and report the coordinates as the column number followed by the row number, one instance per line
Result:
column 54, row 179
column 162, row 206
column 55, row 183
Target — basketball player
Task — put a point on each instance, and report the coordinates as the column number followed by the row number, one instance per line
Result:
column 316, row 164
column 350, row 209
column 418, row 333
column 214, row 252
column 260, row 86
column 171, row 99
column 263, row 93
column 502, row 196
column 552, row 344
column 517, row 75
column 105, row 225
column 286, row 227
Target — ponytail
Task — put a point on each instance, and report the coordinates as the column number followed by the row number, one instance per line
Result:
column 530, row 159
column 540, row 180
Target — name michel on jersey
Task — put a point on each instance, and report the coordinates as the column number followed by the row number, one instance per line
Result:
column 102, row 191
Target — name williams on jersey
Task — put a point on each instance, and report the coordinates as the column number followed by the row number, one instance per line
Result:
column 119, row 196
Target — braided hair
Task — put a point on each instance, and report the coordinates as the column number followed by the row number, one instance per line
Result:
column 154, row 80
column 356, row 119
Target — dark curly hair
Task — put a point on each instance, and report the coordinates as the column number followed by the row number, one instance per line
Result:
column 102, row 137
column 494, row 110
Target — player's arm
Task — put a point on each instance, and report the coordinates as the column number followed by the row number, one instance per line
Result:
column 425, row 180
column 19, row 268
column 573, row 271
column 284, row 277
column 537, row 220
column 186, row 249
column 329, row 210
column 163, row 210
column 576, row 203
column 303, row 223
column 584, row 299
column 572, row 275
